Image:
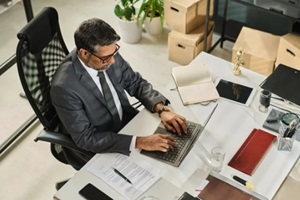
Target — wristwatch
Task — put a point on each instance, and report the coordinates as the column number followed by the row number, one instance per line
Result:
column 163, row 109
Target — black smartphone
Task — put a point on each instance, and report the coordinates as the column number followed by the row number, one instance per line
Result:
column 90, row 192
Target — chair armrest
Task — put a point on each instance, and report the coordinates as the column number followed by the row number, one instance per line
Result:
column 60, row 139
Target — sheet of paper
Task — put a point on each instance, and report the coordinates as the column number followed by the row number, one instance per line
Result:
column 141, row 174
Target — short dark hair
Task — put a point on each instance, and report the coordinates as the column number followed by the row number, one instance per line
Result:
column 93, row 32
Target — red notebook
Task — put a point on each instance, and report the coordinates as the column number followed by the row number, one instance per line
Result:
column 250, row 154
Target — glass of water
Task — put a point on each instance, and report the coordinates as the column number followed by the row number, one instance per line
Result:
column 217, row 159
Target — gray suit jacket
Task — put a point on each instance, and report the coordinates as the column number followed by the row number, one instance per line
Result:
column 83, row 111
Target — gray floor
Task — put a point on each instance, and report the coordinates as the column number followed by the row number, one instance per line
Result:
column 28, row 170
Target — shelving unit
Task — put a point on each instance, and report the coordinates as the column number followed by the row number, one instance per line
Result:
column 225, row 23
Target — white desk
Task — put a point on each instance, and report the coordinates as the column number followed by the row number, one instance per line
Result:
column 229, row 127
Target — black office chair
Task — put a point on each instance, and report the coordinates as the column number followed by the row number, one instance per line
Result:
column 40, row 50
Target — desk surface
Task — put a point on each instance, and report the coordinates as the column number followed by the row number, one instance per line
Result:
column 228, row 127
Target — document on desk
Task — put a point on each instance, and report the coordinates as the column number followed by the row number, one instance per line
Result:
column 128, row 176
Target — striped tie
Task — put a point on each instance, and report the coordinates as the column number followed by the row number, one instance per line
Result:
column 109, row 100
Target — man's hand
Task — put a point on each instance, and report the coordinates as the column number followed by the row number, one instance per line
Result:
column 174, row 122
column 155, row 142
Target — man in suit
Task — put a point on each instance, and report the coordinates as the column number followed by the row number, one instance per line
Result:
column 92, row 111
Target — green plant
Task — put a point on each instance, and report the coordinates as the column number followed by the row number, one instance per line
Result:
column 151, row 8
column 125, row 9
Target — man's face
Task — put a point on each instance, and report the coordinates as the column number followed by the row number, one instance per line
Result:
column 101, row 60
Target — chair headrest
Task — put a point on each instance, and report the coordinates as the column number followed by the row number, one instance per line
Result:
column 40, row 30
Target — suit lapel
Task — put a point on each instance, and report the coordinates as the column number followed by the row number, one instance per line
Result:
column 85, row 79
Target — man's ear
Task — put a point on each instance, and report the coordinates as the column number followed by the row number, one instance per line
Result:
column 84, row 55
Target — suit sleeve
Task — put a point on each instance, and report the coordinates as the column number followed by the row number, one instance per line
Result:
column 73, row 116
column 137, row 86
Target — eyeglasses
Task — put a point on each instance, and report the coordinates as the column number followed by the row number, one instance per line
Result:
column 105, row 59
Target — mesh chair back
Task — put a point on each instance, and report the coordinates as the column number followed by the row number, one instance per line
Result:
column 40, row 51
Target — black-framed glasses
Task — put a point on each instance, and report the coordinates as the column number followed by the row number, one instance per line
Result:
column 105, row 59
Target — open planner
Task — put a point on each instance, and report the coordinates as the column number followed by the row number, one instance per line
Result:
column 194, row 84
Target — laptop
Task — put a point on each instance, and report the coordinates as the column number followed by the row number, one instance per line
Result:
column 184, row 143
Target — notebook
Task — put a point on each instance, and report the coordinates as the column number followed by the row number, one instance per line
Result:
column 252, row 151
column 184, row 143
column 194, row 84
column 284, row 82
column 218, row 189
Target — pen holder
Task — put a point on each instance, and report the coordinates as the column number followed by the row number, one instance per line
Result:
column 284, row 143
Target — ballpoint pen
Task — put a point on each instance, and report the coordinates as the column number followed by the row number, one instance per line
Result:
column 120, row 174
column 286, row 101
column 278, row 98
column 244, row 182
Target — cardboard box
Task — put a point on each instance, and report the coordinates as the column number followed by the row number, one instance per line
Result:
column 183, row 48
column 260, row 50
column 185, row 15
column 289, row 51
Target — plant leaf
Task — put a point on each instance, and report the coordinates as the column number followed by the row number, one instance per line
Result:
column 128, row 13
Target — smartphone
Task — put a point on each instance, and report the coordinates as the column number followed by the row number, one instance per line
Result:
column 90, row 192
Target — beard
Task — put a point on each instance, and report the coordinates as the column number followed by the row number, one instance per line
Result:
column 104, row 67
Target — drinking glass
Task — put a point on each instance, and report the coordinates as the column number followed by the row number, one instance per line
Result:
column 217, row 159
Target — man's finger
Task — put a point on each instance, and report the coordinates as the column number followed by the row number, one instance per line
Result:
column 175, row 124
column 168, row 137
column 170, row 128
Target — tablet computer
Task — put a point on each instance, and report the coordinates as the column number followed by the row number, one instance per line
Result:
column 235, row 92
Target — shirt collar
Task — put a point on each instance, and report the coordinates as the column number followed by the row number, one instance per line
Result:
column 90, row 70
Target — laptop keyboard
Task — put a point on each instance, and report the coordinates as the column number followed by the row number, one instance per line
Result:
column 180, row 143
column 183, row 144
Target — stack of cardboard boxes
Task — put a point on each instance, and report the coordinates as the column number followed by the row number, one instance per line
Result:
column 264, row 51
column 186, row 18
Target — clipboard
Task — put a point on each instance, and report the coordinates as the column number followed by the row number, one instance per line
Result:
column 284, row 82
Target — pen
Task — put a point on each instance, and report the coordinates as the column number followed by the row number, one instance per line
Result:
column 120, row 174
column 291, row 133
column 244, row 182
column 278, row 98
column 289, row 130
column 272, row 120
column 286, row 101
